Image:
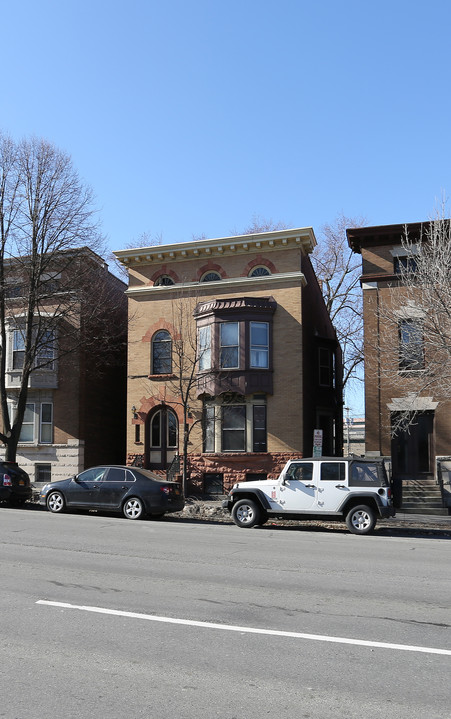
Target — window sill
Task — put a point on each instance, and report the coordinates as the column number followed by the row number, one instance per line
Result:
column 161, row 377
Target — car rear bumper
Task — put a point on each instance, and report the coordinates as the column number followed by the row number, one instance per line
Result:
column 22, row 493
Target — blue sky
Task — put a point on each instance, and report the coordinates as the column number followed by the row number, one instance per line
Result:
column 189, row 118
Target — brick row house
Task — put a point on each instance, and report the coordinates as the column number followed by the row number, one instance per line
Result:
column 248, row 313
column 75, row 411
column 394, row 359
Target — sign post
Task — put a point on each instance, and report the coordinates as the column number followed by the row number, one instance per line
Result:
column 317, row 442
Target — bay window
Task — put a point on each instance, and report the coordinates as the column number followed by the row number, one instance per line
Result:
column 204, row 348
column 229, row 345
column 237, row 426
column 234, row 428
column 259, row 350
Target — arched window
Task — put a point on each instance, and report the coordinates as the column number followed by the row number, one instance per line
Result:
column 161, row 353
column 211, row 277
column 260, row 271
column 163, row 280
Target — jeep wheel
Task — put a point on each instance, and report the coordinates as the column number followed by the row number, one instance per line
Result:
column 246, row 513
column 361, row 519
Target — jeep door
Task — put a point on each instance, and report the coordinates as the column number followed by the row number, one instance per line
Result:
column 332, row 485
column 297, row 492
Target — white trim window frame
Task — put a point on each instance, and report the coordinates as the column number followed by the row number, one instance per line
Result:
column 18, row 349
column 28, row 429
column 204, row 348
column 46, row 423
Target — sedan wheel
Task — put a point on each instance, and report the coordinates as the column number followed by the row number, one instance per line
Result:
column 55, row 502
column 133, row 508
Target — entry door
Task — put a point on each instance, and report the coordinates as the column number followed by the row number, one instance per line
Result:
column 412, row 449
column 161, row 438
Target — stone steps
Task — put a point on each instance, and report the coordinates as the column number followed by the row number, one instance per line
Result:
column 422, row 497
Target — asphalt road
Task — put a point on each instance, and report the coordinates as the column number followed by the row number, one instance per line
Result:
column 104, row 617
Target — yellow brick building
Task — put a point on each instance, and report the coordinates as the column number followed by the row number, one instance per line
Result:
column 230, row 346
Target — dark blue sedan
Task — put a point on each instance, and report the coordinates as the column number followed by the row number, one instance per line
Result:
column 133, row 491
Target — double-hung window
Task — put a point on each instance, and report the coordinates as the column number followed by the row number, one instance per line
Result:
column 411, row 344
column 204, row 348
column 27, row 430
column 234, row 428
column 18, row 349
column 259, row 332
column 161, row 353
column 209, row 428
column 46, row 423
column 325, row 366
column 45, row 354
column 229, row 345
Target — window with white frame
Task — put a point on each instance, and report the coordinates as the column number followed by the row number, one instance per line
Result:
column 28, row 424
column 18, row 349
column 204, row 348
column 46, row 423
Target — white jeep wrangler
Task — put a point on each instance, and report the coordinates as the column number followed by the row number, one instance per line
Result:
column 352, row 489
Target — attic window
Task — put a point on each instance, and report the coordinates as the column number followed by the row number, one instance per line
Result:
column 260, row 271
column 211, row 277
column 163, row 280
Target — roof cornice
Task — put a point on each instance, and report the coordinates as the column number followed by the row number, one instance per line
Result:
column 240, row 244
column 268, row 281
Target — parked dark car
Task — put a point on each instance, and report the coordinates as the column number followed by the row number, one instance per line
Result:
column 15, row 484
column 133, row 491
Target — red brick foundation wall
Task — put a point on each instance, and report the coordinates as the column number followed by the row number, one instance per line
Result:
column 234, row 467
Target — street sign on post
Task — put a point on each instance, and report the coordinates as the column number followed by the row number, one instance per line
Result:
column 317, row 442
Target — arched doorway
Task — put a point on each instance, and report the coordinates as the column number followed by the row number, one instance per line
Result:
column 161, row 437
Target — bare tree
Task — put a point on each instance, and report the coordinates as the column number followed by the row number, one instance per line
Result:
column 415, row 321
column 262, row 224
column 186, row 360
column 338, row 271
column 52, row 279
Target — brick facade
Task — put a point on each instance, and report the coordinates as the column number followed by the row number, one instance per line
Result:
column 86, row 390
column 385, row 384
column 295, row 402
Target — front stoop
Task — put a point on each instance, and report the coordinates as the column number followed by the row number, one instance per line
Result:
column 422, row 496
